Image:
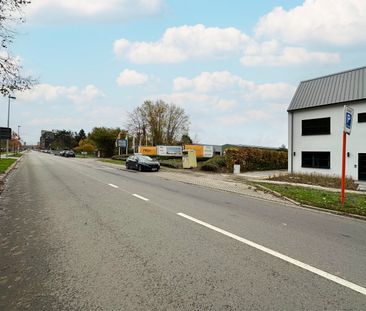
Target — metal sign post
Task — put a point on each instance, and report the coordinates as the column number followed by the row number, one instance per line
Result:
column 347, row 127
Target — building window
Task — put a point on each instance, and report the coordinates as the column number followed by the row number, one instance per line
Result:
column 362, row 117
column 316, row 126
column 315, row 159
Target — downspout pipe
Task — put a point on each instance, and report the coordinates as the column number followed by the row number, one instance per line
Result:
column 291, row 141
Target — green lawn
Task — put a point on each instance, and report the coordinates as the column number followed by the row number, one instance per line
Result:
column 89, row 155
column 113, row 161
column 5, row 164
column 15, row 155
column 354, row 203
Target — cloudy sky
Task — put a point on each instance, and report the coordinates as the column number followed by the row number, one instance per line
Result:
column 233, row 65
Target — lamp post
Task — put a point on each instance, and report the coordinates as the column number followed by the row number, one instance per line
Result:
column 19, row 138
column 7, row 141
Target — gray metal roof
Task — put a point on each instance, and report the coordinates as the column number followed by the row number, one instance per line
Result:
column 332, row 89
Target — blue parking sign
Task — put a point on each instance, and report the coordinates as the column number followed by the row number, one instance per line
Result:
column 348, row 117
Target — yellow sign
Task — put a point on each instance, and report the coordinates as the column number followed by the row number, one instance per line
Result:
column 197, row 148
column 148, row 150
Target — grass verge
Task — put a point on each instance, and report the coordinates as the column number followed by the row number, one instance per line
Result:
column 79, row 155
column 354, row 203
column 172, row 163
column 15, row 155
column 315, row 179
column 120, row 162
column 5, row 164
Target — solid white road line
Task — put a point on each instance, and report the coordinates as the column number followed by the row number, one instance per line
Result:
column 114, row 186
column 140, row 197
column 288, row 259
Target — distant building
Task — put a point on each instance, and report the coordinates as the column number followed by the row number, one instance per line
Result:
column 46, row 139
column 315, row 117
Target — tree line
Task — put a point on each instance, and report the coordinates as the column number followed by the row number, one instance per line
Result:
column 158, row 123
column 152, row 123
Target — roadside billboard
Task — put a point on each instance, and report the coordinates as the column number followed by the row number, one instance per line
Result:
column 208, row 151
column 171, row 151
column 148, row 150
column 202, row 151
column 121, row 143
column 5, row 133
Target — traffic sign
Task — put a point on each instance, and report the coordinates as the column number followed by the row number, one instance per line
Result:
column 348, row 119
column 5, row 133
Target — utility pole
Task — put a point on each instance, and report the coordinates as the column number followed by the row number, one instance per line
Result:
column 19, row 138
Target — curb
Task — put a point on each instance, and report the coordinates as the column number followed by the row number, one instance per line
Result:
column 329, row 211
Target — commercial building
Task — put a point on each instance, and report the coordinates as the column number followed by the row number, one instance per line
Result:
column 46, row 139
column 316, row 119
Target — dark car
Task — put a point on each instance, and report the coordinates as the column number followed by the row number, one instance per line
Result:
column 69, row 154
column 142, row 163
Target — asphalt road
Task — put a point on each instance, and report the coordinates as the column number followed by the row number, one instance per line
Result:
column 81, row 235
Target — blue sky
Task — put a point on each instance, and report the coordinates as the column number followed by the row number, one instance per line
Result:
column 232, row 65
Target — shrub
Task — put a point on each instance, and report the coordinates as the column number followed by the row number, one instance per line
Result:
column 255, row 159
column 214, row 164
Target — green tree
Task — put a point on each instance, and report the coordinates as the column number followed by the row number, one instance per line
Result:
column 80, row 136
column 64, row 140
column 104, row 139
column 185, row 140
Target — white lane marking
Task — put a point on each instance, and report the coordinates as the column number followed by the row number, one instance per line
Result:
column 114, row 186
column 140, row 197
column 288, row 259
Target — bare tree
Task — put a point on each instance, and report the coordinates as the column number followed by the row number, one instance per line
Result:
column 177, row 123
column 10, row 78
column 157, row 123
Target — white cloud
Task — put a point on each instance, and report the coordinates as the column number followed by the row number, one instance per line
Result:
column 180, row 43
column 224, row 82
column 49, row 93
column 51, row 11
column 271, row 53
column 337, row 22
column 54, row 122
column 225, row 107
column 245, row 117
column 130, row 77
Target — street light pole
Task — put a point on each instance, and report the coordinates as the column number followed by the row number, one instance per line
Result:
column 7, row 141
column 19, row 138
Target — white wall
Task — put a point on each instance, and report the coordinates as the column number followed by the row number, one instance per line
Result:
column 356, row 142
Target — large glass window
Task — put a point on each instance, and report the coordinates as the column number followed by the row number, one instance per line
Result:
column 315, row 159
column 362, row 117
column 319, row 126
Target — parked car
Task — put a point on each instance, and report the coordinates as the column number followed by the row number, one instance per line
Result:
column 142, row 163
column 69, row 154
column 62, row 153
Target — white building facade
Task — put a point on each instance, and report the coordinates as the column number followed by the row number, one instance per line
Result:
column 316, row 119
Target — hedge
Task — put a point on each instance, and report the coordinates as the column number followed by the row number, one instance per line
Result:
column 214, row 164
column 254, row 159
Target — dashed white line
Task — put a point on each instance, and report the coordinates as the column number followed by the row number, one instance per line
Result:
column 140, row 197
column 288, row 259
column 114, row 186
